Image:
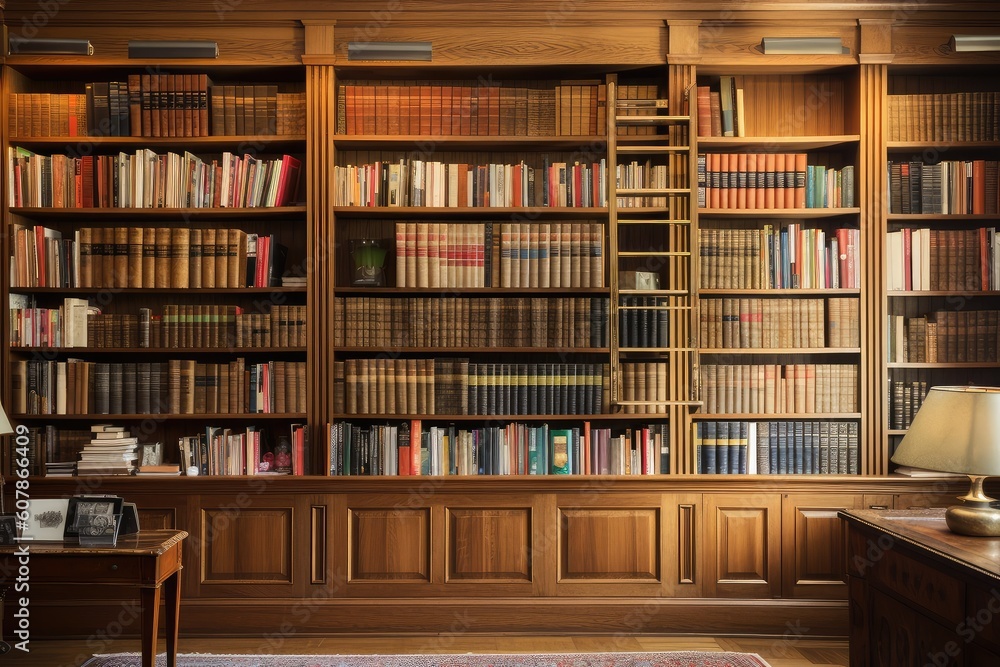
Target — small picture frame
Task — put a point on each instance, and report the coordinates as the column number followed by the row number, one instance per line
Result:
column 8, row 529
column 151, row 454
column 46, row 521
column 92, row 516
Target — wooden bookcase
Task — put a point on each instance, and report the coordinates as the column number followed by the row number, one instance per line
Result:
column 173, row 331
column 524, row 553
column 942, row 328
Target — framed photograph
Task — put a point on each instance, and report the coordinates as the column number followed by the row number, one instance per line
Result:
column 152, row 454
column 92, row 516
column 8, row 529
column 46, row 520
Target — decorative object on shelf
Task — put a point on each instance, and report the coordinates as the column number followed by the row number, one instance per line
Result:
column 957, row 429
column 49, row 46
column 966, row 43
column 5, row 429
column 369, row 255
column 802, row 45
column 389, row 50
column 140, row 48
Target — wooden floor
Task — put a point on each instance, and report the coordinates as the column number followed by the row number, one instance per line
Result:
column 778, row 651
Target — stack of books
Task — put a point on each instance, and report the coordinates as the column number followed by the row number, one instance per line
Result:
column 60, row 468
column 111, row 451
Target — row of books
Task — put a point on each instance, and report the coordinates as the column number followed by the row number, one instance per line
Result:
column 566, row 254
column 645, row 175
column 77, row 324
column 414, row 182
column 777, row 447
column 785, row 256
column 779, row 388
column 721, row 113
column 223, row 450
column 145, row 257
column 752, row 322
column 473, row 322
column 458, row 387
column 643, row 322
column 146, row 179
column 164, row 105
column 907, row 391
column 473, row 108
column 966, row 116
column 946, row 336
column 259, row 109
column 641, row 99
column 946, row 187
column 412, row 448
column 178, row 386
column 644, row 387
column 492, row 254
column 771, row 180
column 921, row 259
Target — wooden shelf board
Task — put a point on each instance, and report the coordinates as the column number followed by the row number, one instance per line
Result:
column 780, row 350
column 198, row 417
column 88, row 214
column 944, row 217
column 74, row 291
column 460, row 291
column 175, row 351
column 479, row 212
column 943, row 364
column 375, row 349
column 505, row 418
column 938, row 292
column 784, row 213
column 260, row 143
column 770, row 144
column 756, row 416
column 840, row 291
column 491, row 143
column 938, row 145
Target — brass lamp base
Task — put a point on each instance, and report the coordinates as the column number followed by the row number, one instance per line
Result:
column 975, row 516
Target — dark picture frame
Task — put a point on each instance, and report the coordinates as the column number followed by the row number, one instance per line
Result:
column 92, row 516
column 8, row 529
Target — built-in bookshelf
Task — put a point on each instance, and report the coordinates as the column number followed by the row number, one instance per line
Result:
column 157, row 244
column 942, row 251
column 500, row 294
column 779, row 264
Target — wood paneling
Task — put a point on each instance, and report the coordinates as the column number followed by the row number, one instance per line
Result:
column 742, row 550
column 157, row 518
column 489, row 544
column 318, row 564
column 814, row 546
column 252, row 545
column 603, row 544
column 390, row 544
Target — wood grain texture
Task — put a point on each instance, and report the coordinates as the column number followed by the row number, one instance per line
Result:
column 489, row 544
column 390, row 545
column 813, row 544
column 249, row 546
column 601, row 544
column 742, row 551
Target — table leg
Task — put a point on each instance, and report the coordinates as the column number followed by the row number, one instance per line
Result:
column 150, row 598
column 172, row 600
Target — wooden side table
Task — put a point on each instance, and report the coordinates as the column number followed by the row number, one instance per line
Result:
column 150, row 560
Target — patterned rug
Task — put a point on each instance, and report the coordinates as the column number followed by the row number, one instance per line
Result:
column 668, row 659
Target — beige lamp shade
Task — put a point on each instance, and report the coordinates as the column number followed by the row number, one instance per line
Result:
column 956, row 429
column 5, row 426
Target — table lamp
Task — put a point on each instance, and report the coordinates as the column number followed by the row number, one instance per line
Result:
column 957, row 429
column 5, row 429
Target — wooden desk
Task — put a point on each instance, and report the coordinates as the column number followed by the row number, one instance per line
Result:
column 149, row 560
column 920, row 594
